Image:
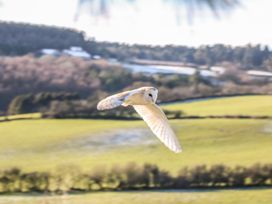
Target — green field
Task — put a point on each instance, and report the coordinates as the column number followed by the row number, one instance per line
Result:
column 253, row 196
column 242, row 105
column 50, row 143
column 22, row 116
column 46, row 144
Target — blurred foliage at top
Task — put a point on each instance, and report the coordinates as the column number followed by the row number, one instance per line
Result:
column 192, row 7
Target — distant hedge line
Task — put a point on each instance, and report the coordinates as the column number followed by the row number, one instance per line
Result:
column 69, row 179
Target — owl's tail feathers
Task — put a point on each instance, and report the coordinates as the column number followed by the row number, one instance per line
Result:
column 109, row 103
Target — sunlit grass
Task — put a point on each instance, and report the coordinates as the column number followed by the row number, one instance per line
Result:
column 208, row 141
column 21, row 116
column 251, row 196
column 47, row 143
column 41, row 133
column 242, row 105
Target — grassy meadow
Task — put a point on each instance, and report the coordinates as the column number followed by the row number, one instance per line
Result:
column 21, row 116
column 238, row 105
column 49, row 144
column 44, row 144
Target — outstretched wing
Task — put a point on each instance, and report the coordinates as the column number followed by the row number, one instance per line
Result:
column 112, row 101
column 158, row 123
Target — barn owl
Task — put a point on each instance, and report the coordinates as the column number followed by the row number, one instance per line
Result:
column 143, row 101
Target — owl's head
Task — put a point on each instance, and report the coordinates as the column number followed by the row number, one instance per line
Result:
column 151, row 94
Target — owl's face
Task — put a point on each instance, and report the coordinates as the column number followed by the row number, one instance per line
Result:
column 151, row 94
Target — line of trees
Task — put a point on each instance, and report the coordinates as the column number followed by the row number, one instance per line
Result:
column 69, row 105
column 37, row 102
column 244, row 57
column 20, row 39
column 134, row 177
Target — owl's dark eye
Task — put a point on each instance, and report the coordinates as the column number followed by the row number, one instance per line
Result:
column 150, row 95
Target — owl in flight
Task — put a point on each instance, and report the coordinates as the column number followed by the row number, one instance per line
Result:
column 143, row 101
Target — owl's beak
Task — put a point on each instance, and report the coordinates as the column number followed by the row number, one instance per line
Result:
column 154, row 99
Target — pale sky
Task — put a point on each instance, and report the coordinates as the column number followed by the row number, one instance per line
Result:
column 150, row 22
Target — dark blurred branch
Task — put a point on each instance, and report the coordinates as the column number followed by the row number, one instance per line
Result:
column 102, row 8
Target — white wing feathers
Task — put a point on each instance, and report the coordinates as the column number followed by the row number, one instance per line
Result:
column 152, row 115
column 158, row 123
column 112, row 101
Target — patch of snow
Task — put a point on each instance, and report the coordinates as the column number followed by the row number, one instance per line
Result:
column 76, row 49
column 167, row 69
column 96, row 57
column 259, row 73
column 77, row 52
column 112, row 139
column 48, row 51
column 268, row 129
column 218, row 70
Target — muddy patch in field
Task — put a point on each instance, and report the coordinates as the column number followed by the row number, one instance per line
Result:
column 268, row 129
column 94, row 142
column 6, row 154
column 112, row 139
